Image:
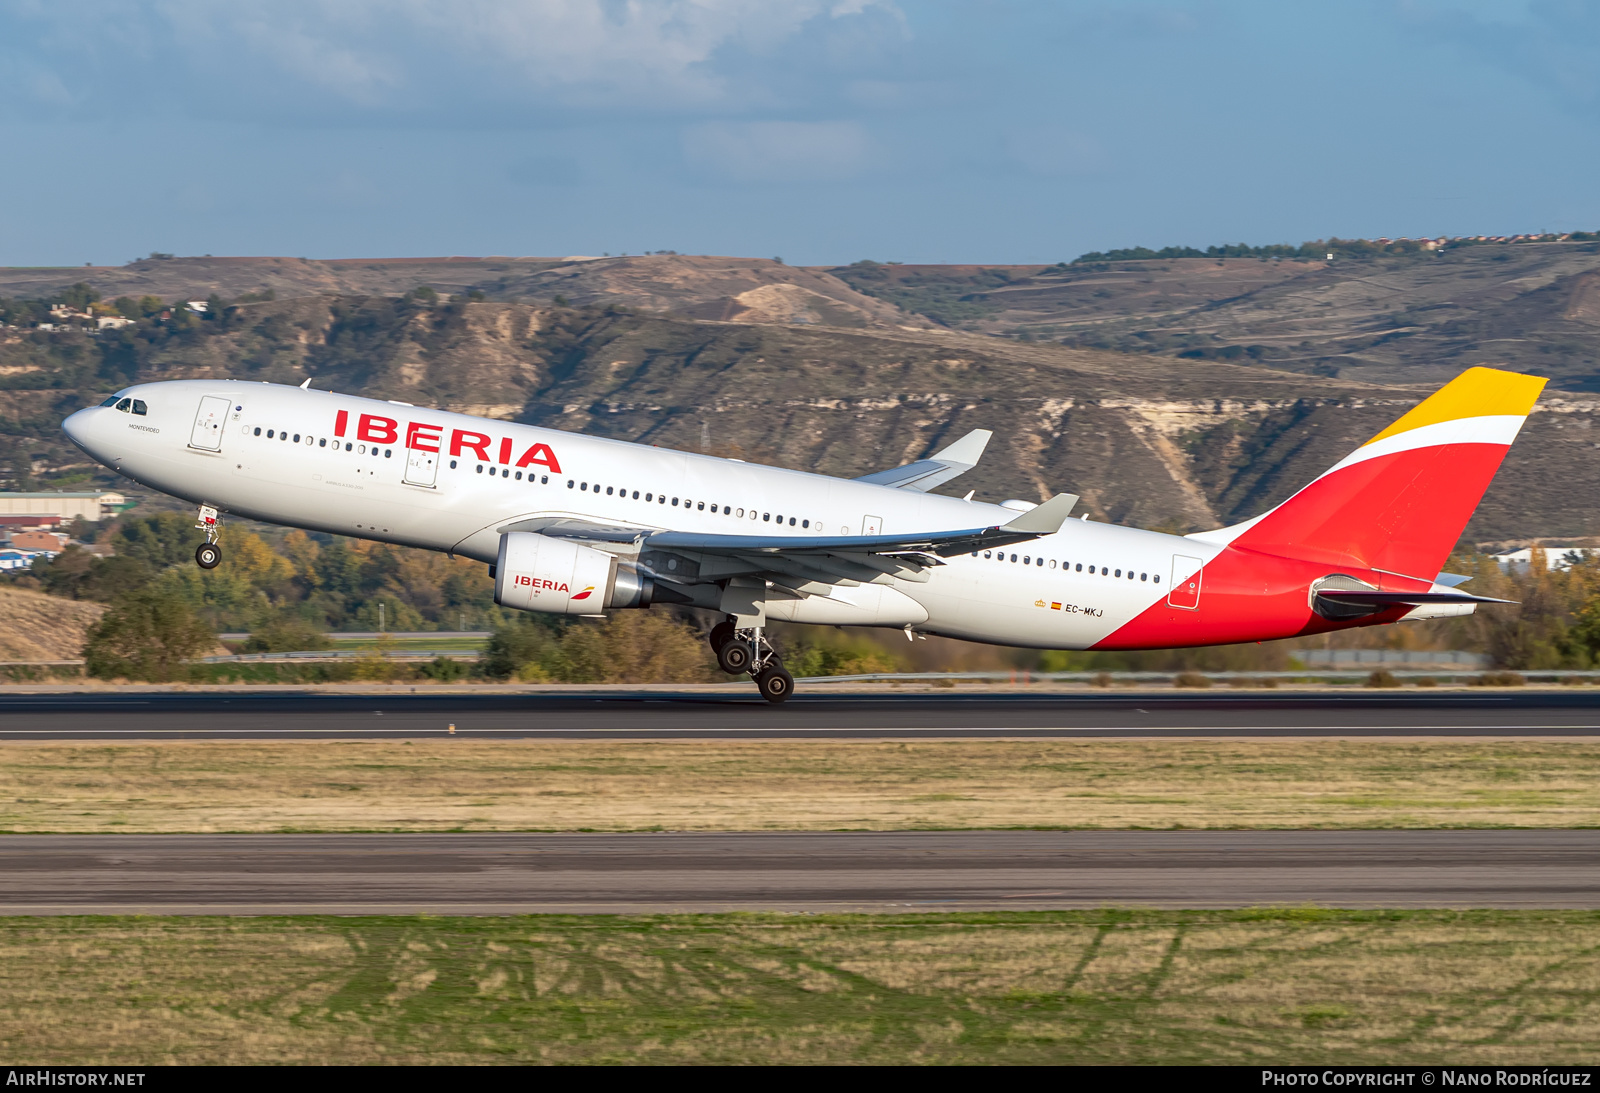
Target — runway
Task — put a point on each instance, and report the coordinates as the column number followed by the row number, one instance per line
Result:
column 625, row 714
column 926, row 871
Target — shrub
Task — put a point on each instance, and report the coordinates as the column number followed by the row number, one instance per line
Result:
column 1381, row 678
column 1426, row 681
column 443, row 670
column 1190, row 679
column 287, row 634
column 832, row 654
column 628, row 647
column 1499, row 679
column 1101, row 679
column 145, row 635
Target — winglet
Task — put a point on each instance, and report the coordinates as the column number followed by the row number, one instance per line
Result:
column 1045, row 519
column 968, row 450
column 937, row 469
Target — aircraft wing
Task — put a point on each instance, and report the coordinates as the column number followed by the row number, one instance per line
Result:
column 806, row 563
column 937, row 469
column 810, row 565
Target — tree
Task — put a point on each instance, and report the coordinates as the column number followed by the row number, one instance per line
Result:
column 145, row 635
column 161, row 539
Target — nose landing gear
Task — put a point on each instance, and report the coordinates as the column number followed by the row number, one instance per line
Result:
column 208, row 554
column 745, row 649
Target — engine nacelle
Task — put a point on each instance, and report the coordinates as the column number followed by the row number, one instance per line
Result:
column 539, row 573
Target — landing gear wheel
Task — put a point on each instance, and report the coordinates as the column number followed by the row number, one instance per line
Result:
column 207, row 555
column 776, row 683
column 734, row 657
column 721, row 634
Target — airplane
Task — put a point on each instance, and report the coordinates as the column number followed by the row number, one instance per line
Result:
column 581, row 525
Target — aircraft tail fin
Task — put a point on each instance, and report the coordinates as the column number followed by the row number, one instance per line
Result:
column 1400, row 502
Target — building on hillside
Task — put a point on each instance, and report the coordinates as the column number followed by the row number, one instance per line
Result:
column 92, row 505
column 1555, row 557
column 30, row 522
column 16, row 559
column 52, row 542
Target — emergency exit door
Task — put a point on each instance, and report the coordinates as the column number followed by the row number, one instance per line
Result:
column 872, row 525
column 207, row 431
column 422, row 468
column 1184, row 591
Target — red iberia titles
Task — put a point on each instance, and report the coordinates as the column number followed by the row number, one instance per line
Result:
column 423, row 436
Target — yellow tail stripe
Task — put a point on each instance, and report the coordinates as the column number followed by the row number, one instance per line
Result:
column 1477, row 392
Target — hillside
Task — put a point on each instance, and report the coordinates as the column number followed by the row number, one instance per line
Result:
column 1147, row 439
column 1387, row 319
column 34, row 626
column 750, row 290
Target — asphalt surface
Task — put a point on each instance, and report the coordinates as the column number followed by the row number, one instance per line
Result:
column 619, row 714
column 505, row 874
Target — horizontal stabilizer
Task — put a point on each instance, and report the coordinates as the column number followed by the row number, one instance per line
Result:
column 1363, row 597
column 937, row 469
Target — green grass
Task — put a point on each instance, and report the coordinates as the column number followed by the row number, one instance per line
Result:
column 1299, row 985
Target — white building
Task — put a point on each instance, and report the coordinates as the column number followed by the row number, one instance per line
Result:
column 17, row 559
column 1555, row 557
column 93, row 505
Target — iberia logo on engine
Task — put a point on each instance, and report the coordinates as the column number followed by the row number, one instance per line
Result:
column 539, row 583
column 584, row 594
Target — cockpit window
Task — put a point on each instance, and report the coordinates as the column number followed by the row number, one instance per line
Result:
column 140, row 408
column 112, row 401
column 125, row 405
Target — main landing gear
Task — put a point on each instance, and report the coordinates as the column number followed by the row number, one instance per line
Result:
column 744, row 649
column 208, row 554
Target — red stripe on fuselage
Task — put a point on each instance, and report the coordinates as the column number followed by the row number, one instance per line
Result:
column 1393, row 514
column 1246, row 596
column 1401, row 512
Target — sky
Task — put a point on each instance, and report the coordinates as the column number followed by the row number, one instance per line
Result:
column 816, row 131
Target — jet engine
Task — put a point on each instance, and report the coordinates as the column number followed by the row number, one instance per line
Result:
column 538, row 573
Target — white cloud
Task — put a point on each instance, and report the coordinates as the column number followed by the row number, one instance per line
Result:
column 779, row 151
column 410, row 55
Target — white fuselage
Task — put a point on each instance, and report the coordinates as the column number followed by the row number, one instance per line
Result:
column 339, row 464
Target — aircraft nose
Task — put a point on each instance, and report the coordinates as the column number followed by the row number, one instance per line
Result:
column 79, row 427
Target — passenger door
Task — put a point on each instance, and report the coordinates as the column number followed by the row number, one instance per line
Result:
column 422, row 468
column 207, row 431
column 872, row 525
column 1184, row 592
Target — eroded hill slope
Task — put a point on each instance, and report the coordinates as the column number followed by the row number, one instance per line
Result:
column 1145, row 439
